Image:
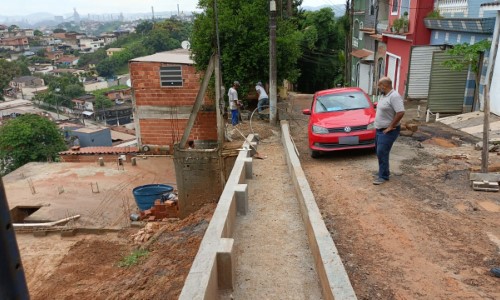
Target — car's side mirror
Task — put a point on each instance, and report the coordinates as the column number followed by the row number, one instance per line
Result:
column 375, row 104
column 306, row 111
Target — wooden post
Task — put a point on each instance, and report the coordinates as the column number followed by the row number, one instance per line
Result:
column 486, row 130
column 199, row 100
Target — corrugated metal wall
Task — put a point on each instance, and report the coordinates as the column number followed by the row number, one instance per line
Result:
column 446, row 87
column 419, row 71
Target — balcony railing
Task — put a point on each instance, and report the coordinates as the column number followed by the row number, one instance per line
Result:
column 453, row 7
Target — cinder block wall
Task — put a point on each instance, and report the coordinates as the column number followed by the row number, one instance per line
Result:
column 168, row 129
column 93, row 158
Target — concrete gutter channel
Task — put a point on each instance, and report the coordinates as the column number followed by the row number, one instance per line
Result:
column 213, row 268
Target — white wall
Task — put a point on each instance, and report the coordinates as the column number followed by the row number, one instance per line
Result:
column 495, row 88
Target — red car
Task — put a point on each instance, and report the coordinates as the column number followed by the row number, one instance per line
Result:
column 341, row 119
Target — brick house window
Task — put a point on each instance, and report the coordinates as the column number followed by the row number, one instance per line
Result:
column 171, row 76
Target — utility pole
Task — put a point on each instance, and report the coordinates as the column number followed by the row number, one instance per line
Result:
column 375, row 61
column 273, row 101
column 350, row 4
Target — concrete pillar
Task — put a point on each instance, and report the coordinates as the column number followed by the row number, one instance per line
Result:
column 225, row 264
column 101, row 161
column 241, row 193
column 134, row 161
column 248, row 168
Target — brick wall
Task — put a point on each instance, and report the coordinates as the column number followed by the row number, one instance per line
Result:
column 93, row 158
column 148, row 92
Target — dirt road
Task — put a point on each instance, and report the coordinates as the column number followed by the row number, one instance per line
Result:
column 423, row 235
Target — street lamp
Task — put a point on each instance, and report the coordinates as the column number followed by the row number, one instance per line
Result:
column 57, row 90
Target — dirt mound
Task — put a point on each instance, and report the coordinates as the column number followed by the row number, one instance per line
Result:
column 91, row 268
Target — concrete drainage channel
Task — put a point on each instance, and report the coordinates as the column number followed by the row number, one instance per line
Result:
column 213, row 269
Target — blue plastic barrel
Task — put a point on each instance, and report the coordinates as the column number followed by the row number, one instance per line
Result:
column 145, row 195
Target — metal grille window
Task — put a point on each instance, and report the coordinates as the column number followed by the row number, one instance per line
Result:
column 171, row 76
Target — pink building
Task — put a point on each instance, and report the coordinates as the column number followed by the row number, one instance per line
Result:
column 406, row 29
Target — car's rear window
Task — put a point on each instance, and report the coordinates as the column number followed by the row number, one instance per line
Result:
column 341, row 101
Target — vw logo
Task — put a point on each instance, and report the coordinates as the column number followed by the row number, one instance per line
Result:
column 347, row 129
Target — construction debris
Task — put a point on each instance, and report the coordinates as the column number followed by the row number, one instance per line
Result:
column 485, row 186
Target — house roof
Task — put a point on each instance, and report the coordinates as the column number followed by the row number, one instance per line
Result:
column 25, row 78
column 100, row 150
column 177, row 56
column 89, row 98
column 361, row 53
column 68, row 58
column 491, row 6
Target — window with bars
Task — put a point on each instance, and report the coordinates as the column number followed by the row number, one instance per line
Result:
column 171, row 76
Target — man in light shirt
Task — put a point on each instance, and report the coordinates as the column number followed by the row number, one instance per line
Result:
column 390, row 111
column 263, row 99
column 234, row 102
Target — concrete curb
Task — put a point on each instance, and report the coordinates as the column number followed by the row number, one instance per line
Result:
column 213, row 267
column 334, row 281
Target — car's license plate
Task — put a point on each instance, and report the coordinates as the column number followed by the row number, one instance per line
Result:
column 349, row 140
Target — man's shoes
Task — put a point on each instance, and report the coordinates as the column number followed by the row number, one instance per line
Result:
column 375, row 175
column 379, row 181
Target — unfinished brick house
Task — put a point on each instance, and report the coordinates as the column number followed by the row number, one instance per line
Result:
column 164, row 87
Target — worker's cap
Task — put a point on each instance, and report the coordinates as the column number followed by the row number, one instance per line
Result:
column 259, row 83
column 236, row 82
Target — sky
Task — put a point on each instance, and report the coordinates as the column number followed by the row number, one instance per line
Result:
column 64, row 7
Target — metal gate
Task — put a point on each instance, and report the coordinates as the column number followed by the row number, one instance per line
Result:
column 419, row 71
column 446, row 87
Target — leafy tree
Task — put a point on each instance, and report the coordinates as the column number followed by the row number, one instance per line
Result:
column 73, row 90
column 59, row 30
column 12, row 28
column 102, row 102
column 465, row 56
column 144, row 27
column 28, row 138
column 159, row 39
column 322, row 61
column 38, row 33
column 244, row 41
column 106, row 68
column 9, row 70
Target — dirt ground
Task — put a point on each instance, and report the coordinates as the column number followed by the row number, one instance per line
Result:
column 86, row 266
column 423, row 235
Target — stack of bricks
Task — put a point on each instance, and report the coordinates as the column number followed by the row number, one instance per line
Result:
column 160, row 211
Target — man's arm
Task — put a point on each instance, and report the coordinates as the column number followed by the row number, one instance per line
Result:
column 395, row 121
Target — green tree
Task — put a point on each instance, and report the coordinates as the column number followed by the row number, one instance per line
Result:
column 38, row 33
column 59, row 30
column 12, row 28
column 144, row 27
column 322, row 61
column 10, row 70
column 465, row 56
column 102, row 102
column 244, row 41
column 28, row 138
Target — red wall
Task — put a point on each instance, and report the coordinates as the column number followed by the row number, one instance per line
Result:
column 402, row 49
column 146, row 85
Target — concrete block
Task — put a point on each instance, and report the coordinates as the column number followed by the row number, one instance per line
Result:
column 101, row 161
column 39, row 233
column 485, row 186
column 241, row 193
column 225, row 264
column 68, row 233
column 248, row 168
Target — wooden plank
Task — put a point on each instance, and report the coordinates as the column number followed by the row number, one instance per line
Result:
column 199, row 100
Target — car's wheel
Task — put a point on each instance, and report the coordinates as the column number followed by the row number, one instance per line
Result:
column 315, row 154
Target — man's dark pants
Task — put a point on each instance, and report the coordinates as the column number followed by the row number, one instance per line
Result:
column 383, row 145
